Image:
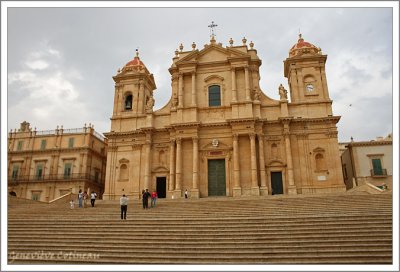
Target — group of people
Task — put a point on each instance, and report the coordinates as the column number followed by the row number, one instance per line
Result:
column 123, row 201
column 82, row 199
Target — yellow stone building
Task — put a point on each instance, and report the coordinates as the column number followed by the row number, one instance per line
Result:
column 368, row 162
column 220, row 135
column 44, row 165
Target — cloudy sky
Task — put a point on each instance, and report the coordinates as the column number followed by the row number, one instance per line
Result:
column 61, row 60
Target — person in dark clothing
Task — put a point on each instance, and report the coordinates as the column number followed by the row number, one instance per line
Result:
column 145, row 198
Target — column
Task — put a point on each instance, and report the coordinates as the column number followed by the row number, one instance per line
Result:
column 194, row 102
column 195, row 190
column 247, row 82
column 171, row 185
column 141, row 97
column 237, row 191
column 253, row 157
column 178, row 167
column 147, row 171
column 264, row 187
column 289, row 161
column 234, row 91
column 180, row 91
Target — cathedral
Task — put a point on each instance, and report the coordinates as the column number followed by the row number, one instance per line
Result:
column 219, row 134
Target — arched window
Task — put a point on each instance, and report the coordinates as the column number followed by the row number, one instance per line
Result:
column 123, row 172
column 214, row 96
column 128, row 102
column 320, row 162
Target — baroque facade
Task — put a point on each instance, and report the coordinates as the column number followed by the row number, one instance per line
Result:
column 44, row 165
column 219, row 134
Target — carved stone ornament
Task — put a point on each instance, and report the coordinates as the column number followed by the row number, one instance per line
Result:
column 215, row 142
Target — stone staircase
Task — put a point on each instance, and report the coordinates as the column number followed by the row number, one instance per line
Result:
column 319, row 229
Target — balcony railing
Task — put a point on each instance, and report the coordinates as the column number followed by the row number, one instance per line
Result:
column 75, row 176
column 378, row 172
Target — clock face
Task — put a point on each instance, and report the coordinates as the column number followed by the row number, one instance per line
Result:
column 310, row 87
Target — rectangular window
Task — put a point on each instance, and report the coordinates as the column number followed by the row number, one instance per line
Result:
column 71, row 142
column 43, row 145
column 15, row 171
column 39, row 171
column 377, row 167
column 67, row 170
column 19, row 146
column 36, row 196
column 214, row 96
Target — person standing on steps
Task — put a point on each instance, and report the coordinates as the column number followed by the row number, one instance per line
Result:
column 85, row 197
column 154, row 196
column 145, row 197
column 80, row 199
column 186, row 194
column 123, row 201
column 143, row 191
column 93, row 196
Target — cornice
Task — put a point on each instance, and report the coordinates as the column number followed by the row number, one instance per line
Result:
column 371, row 143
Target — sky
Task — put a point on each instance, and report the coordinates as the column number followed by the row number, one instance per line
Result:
column 61, row 60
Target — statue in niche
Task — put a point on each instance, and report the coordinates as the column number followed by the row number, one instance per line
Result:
column 174, row 100
column 150, row 103
column 282, row 92
column 257, row 93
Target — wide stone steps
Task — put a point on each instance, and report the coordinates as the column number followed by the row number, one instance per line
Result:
column 231, row 258
column 339, row 229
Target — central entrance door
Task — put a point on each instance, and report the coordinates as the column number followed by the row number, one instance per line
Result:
column 161, row 187
column 216, row 178
column 276, row 183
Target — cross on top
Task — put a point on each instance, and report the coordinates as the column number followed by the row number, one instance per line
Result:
column 212, row 28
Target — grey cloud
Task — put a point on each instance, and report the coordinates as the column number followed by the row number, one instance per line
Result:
column 95, row 42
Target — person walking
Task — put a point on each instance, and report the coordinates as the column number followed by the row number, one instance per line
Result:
column 145, row 197
column 93, row 196
column 80, row 199
column 154, row 196
column 186, row 194
column 123, row 201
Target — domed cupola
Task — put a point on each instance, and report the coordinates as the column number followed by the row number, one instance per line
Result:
column 135, row 65
column 303, row 47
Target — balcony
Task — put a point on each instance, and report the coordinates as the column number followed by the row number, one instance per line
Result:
column 48, row 178
column 378, row 172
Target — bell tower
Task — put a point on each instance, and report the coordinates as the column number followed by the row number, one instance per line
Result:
column 305, row 71
column 134, row 86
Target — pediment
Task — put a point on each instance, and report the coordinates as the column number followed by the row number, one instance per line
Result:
column 160, row 169
column 275, row 162
column 211, row 53
column 123, row 160
column 318, row 150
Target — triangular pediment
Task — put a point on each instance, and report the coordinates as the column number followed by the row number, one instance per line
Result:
column 212, row 53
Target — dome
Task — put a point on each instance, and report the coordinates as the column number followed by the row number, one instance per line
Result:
column 136, row 61
column 302, row 47
column 135, row 65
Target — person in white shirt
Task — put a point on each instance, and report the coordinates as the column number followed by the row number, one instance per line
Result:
column 93, row 196
column 123, row 201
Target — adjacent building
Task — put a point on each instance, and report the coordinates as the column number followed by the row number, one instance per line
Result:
column 368, row 161
column 219, row 134
column 44, row 165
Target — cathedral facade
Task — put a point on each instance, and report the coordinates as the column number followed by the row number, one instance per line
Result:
column 219, row 134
